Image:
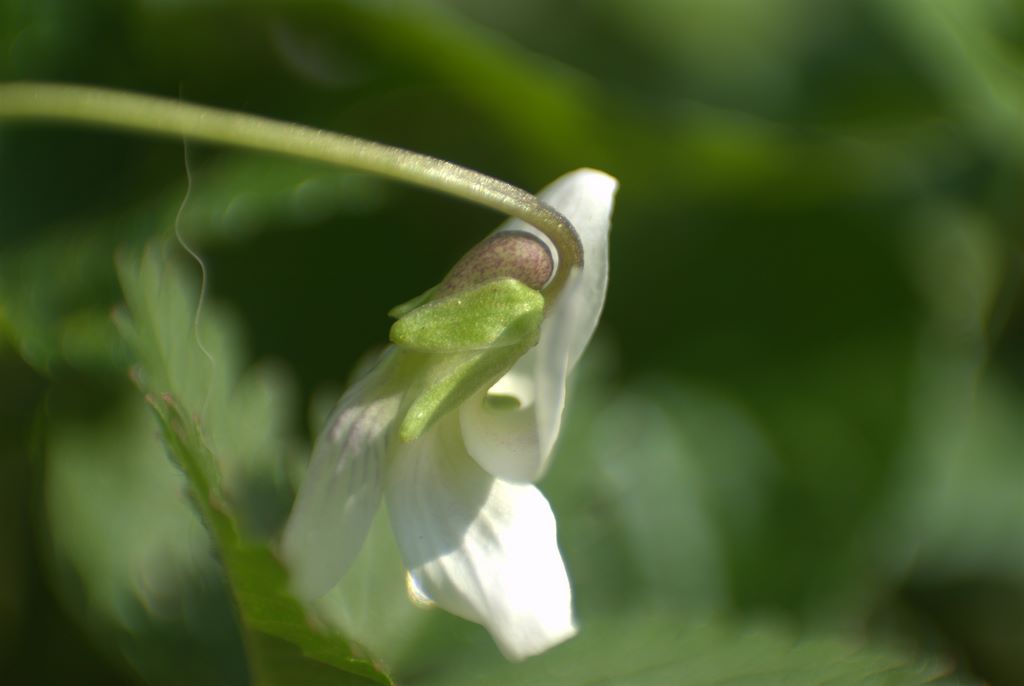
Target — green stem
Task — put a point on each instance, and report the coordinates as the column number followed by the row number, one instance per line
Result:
column 166, row 117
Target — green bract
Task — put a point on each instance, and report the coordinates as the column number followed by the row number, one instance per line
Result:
column 462, row 343
column 494, row 314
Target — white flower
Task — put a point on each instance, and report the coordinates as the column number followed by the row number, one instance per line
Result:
column 477, row 538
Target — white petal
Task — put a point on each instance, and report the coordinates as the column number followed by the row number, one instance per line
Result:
column 517, row 384
column 479, row 547
column 342, row 488
column 585, row 197
column 504, row 440
column 515, row 444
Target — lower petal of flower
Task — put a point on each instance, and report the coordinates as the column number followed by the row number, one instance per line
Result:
column 479, row 547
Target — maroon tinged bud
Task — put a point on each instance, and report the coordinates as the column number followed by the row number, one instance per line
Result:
column 514, row 254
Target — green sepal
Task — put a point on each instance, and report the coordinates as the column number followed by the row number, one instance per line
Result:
column 449, row 380
column 399, row 311
column 495, row 314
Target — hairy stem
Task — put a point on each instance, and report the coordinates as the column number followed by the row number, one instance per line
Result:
column 166, row 117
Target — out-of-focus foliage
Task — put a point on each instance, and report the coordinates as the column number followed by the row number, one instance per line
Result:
column 807, row 405
column 193, row 399
column 654, row 649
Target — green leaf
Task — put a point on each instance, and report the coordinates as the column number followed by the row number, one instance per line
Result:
column 189, row 380
column 277, row 630
column 657, row 649
column 132, row 561
column 494, row 314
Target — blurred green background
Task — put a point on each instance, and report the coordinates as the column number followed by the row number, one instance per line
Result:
column 804, row 405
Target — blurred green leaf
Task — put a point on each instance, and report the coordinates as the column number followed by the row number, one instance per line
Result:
column 958, row 498
column 660, row 650
column 55, row 286
column 282, row 645
column 971, row 53
column 131, row 558
column 186, row 383
column 962, row 496
column 562, row 118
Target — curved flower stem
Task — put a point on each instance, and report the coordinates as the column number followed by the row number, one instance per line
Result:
column 166, row 117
